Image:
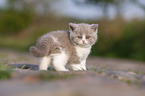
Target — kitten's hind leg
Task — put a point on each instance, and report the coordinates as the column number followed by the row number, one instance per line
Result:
column 59, row 61
column 44, row 63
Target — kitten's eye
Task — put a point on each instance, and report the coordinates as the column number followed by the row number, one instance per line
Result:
column 87, row 37
column 80, row 37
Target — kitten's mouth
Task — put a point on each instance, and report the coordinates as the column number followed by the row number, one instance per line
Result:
column 84, row 45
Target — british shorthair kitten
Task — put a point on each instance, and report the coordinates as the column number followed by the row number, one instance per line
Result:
column 66, row 47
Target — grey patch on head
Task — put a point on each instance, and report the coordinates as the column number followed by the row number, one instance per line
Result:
column 83, row 29
column 94, row 27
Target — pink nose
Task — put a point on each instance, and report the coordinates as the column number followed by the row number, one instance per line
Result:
column 83, row 41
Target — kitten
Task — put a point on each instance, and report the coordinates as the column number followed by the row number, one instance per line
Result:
column 66, row 47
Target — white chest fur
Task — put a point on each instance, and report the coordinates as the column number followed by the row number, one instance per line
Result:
column 83, row 52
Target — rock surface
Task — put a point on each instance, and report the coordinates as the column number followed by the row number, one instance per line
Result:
column 104, row 77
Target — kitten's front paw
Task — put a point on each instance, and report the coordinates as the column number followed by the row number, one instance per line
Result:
column 76, row 67
column 65, row 70
column 84, row 68
column 41, row 68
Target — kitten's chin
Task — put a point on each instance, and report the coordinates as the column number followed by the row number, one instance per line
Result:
column 84, row 45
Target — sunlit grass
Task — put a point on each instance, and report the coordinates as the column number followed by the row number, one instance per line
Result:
column 14, row 43
column 5, row 73
column 98, row 69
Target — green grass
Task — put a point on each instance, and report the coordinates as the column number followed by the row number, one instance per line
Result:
column 45, row 75
column 15, row 43
column 98, row 69
column 127, row 81
column 22, row 43
column 5, row 73
column 24, row 66
column 2, row 55
column 138, row 71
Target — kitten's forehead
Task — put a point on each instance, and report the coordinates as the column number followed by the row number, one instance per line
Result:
column 83, row 25
column 84, row 29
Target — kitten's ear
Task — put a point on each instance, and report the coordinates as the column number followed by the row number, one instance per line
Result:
column 72, row 26
column 95, row 27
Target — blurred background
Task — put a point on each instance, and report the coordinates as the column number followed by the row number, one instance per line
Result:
column 121, row 24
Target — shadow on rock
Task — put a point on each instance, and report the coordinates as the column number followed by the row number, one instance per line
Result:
column 28, row 66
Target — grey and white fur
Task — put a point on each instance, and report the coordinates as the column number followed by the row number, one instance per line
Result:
column 66, row 47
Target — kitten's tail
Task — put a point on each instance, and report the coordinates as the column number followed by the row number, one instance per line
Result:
column 36, row 52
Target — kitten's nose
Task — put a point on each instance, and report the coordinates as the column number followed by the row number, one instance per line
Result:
column 83, row 41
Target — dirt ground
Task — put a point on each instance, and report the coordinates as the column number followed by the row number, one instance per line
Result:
column 104, row 77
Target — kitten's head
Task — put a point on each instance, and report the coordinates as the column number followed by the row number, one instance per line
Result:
column 82, row 34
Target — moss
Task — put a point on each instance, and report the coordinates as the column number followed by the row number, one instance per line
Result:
column 54, row 75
